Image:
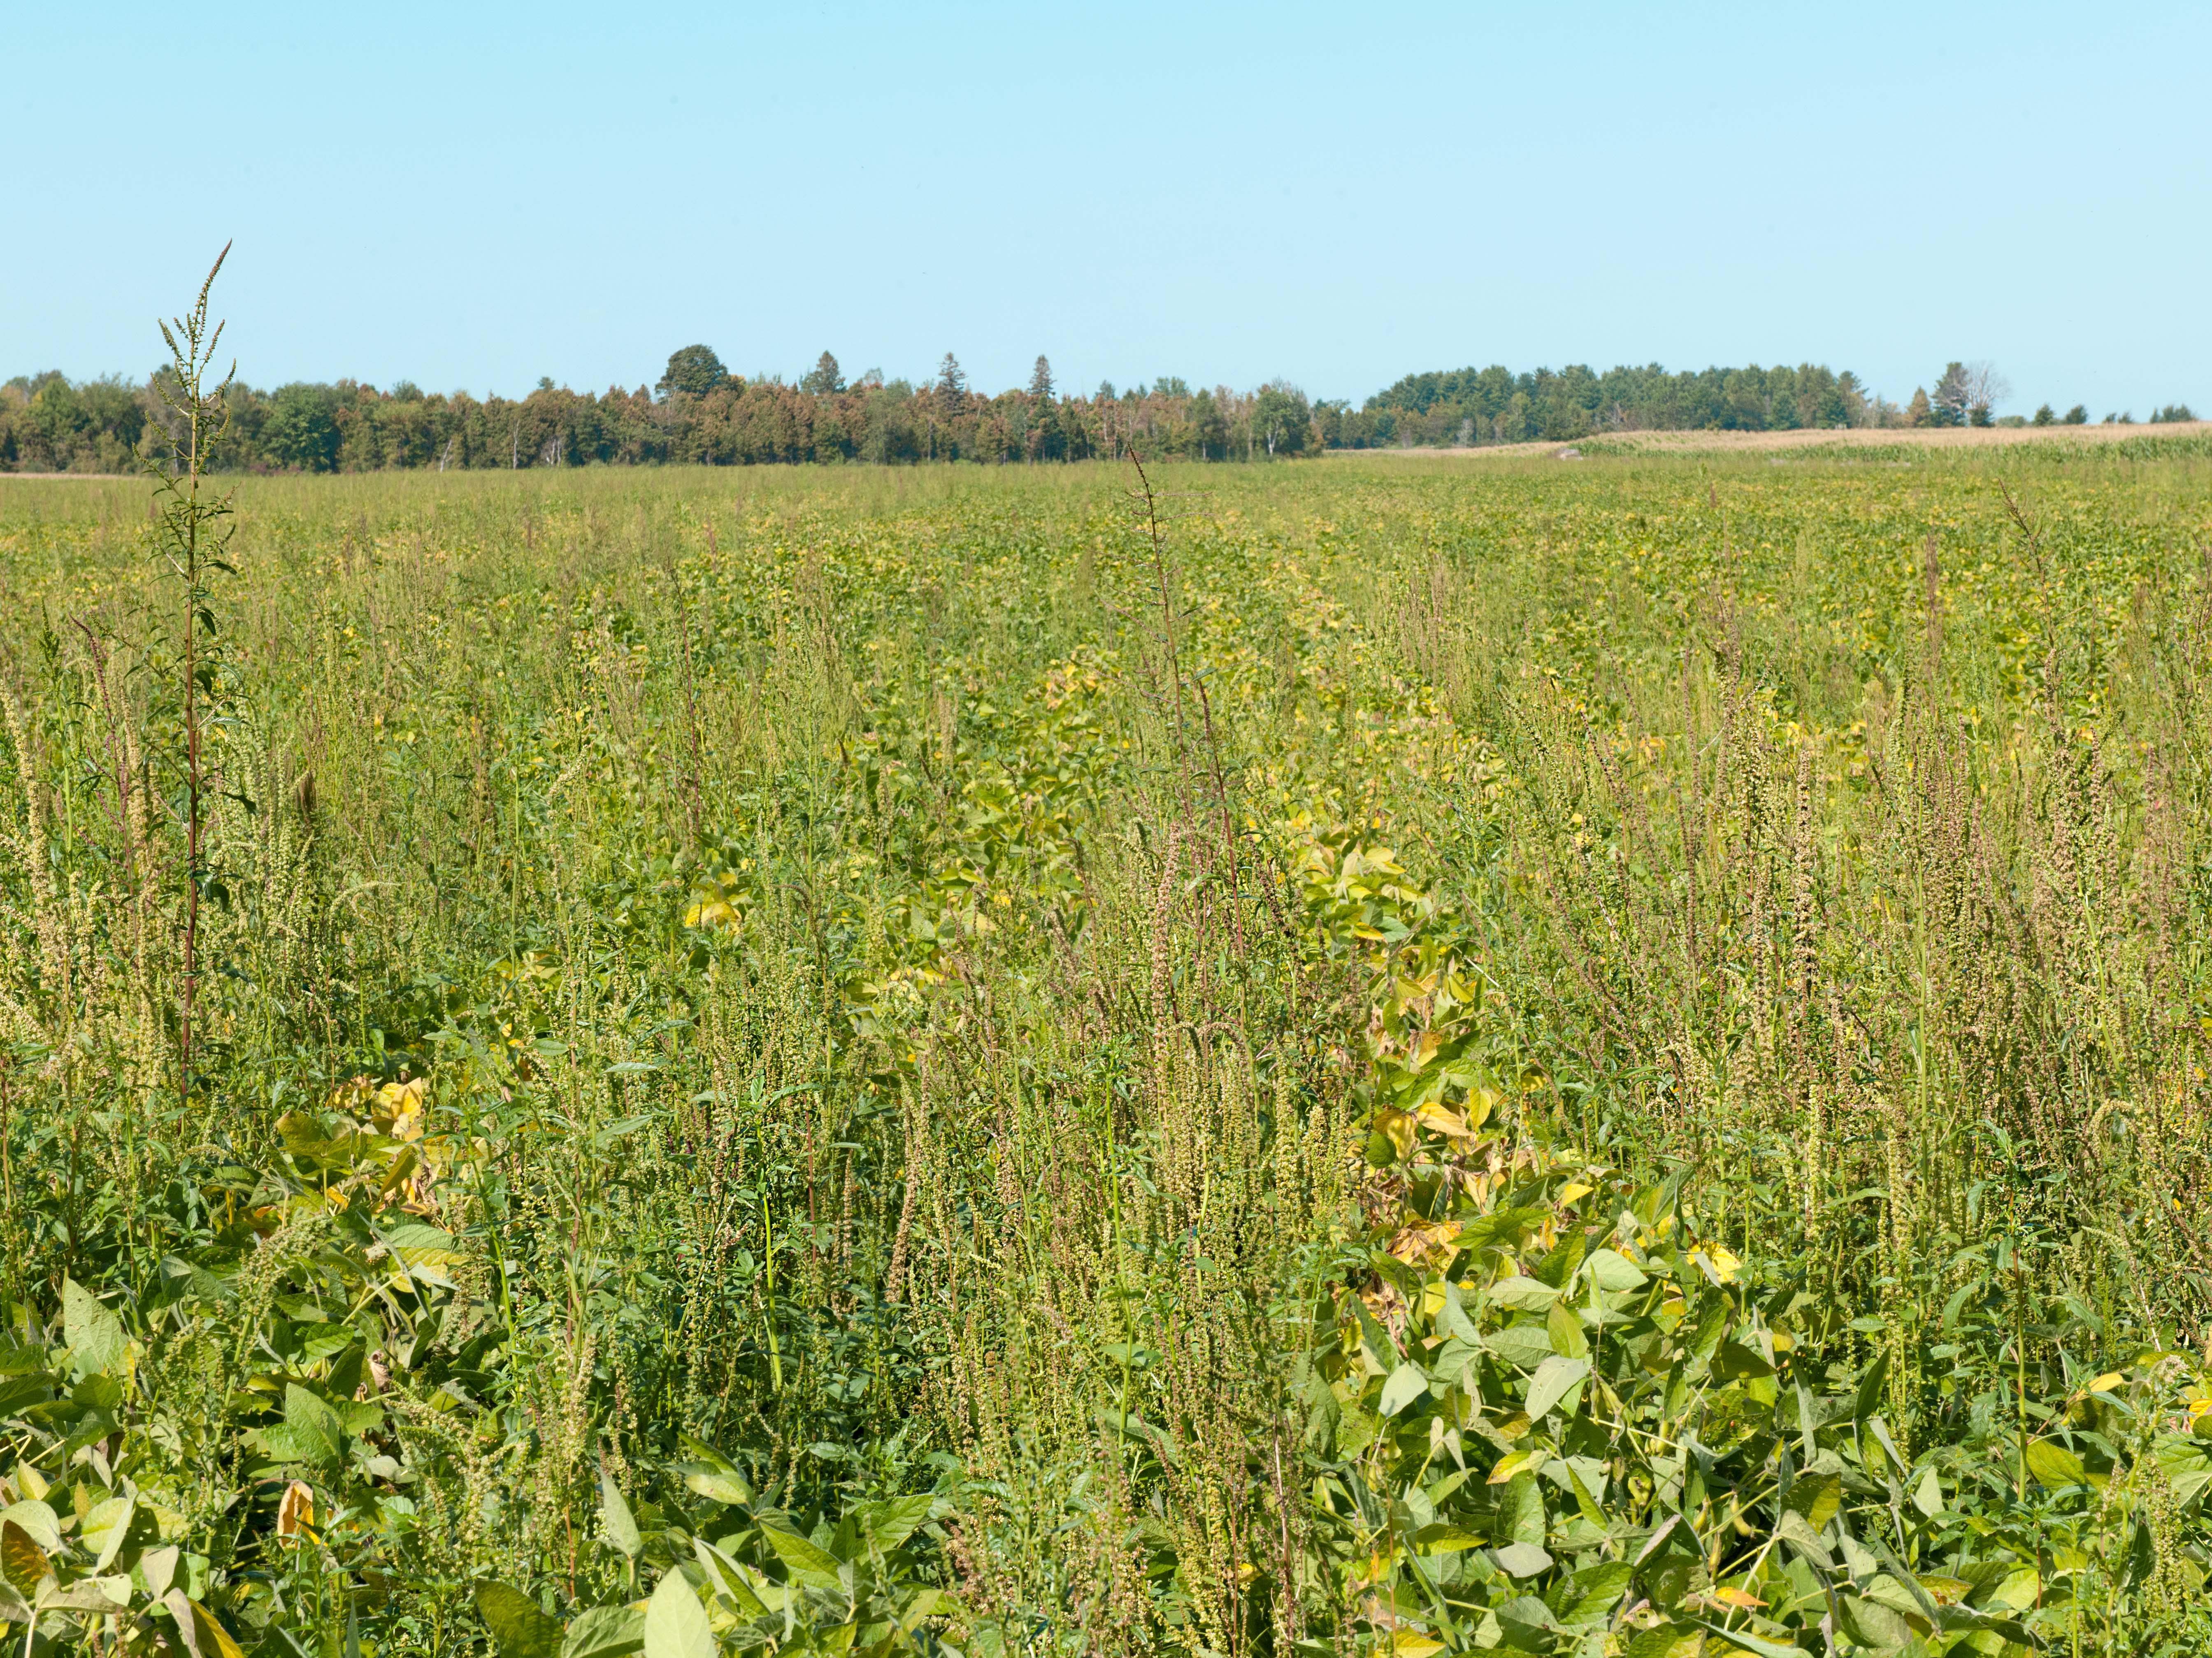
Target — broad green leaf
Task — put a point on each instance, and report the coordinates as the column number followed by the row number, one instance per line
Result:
column 1523, row 1559
column 1448, row 1362
column 1524, row 1347
column 1406, row 1384
column 615, row 1520
column 1521, row 1510
column 1928, row 1494
column 2054, row 1466
column 886, row 1525
column 1444, row 1537
column 1554, row 1379
column 1751, row 1642
column 1793, row 1529
column 1817, row 1497
column 1667, row 1641
column 1597, row 1590
column 418, row 1243
column 1870, row 1387
column 1735, row 1359
column 105, row 1528
column 675, row 1623
column 1613, row 1272
column 807, row 1562
column 1523, row 1295
column 1565, row 1259
column 1526, row 1621
column 100, row 1594
column 1452, row 1321
column 713, row 1483
column 928, row 1603
column 1565, row 1332
column 315, row 1427
column 1584, row 1476
column 96, row 1336
column 2187, row 1466
column 1874, row 1625
column 520, row 1628
column 727, row 1579
column 605, row 1632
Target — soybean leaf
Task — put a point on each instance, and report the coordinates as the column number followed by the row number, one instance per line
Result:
column 605, row 1632
column 616, row 1520
column 1523, row 1559
column 22, row 1561
column 1613, row 1272
column 520, row 1629
column 96, row 1336
column 1554, row 1377
column 1406, row 1384
column 2054, row 1466
column 807, row 1562
column 886, row 1525
column 675, row 1623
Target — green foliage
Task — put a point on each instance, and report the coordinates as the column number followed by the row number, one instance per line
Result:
column 1495, row 405
column 1608, row 1059
column 692, row 371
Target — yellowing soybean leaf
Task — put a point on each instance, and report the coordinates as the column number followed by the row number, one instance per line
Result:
column 23, row 1562
column 37, row 1521
column 1817, row 1497
column 1508, row 1466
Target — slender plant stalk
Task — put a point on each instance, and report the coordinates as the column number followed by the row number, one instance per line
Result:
column 193, row 534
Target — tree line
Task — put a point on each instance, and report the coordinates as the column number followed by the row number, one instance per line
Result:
column 700, row 413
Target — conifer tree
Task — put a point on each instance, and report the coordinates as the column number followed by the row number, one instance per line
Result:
column 951, row 385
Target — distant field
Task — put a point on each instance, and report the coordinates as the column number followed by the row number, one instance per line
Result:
column 1367, row 1056
column 1935, row 438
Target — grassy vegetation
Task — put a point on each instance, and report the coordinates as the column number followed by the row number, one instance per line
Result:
column 1590, row 1058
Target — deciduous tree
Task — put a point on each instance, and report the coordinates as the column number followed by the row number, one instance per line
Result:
column 694, row 370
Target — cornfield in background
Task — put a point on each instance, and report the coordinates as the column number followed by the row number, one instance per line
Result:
column 1389, row 1058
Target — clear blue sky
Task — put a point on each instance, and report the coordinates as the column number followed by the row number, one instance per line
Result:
column 474, row 195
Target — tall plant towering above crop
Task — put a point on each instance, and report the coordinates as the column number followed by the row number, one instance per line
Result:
column 193, row 531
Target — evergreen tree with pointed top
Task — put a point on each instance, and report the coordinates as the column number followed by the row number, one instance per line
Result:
column 951, row 385
column 824, row 378
column 1041, row 379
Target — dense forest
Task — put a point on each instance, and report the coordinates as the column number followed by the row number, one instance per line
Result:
column 700, row 413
